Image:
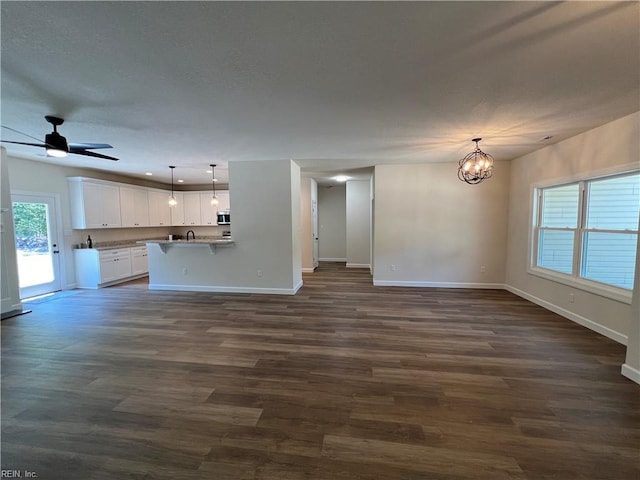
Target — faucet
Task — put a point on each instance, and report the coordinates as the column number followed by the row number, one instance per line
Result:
column 192, row 233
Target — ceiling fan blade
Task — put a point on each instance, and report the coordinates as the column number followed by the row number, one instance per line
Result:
column 25, row 143
column 94, row 154
column 73, row 147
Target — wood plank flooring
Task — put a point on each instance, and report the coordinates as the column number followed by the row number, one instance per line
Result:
column 342, row 381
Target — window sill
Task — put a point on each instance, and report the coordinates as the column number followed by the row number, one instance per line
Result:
column 613, row 293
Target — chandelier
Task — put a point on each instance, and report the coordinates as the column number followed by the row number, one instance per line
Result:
column 476, row 166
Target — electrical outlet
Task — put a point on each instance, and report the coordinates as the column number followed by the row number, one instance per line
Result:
column 483, row 269
column 572, row 298
column 185, row 270
column 259, row 273
column 393, row 268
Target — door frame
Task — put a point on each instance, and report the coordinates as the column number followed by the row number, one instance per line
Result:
column 57, row 204
column 315, row 233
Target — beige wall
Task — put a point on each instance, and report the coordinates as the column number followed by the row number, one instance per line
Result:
column 608, row 148
column 438, row 231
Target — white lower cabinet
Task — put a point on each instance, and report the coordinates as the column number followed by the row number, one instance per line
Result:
column 98, row 268
column 139, row 260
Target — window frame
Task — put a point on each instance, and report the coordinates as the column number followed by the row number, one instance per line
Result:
column 574, row 279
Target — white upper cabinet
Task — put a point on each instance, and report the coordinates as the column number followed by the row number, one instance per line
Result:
column 94, row 204
column 134, row 207
column 159, row 209
column 208, row 212
column 223, row 200
column 192, row 208
column 104, row 204
column 177, row 211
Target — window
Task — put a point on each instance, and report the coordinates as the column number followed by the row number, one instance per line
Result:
column 587, row 231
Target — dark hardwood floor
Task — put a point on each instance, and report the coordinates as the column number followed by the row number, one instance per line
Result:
column 342, row 381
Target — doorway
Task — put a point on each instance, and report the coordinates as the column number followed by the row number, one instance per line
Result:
column 38, row 251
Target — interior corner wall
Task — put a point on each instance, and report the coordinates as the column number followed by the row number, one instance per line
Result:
column 431, row 229
column 266, row 226
column 9, row 283
column 332, row 223
column 358, row 222
column 602, row 149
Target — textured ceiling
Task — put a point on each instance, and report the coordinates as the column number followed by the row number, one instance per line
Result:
column 334, row 86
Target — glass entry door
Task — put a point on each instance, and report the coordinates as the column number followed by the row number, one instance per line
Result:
column 37, row 247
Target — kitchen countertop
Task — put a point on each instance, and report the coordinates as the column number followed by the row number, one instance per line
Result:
column 211, row 242
column 113, row 245
column 220, row 240
column 195, row 241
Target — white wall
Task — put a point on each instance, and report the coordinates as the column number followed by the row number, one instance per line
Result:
column 9, row 283
column 603, row 149
column 431, row 229
column 358, row 223
column 332, row 223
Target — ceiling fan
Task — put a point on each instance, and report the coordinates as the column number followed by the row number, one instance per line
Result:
column 57, row 145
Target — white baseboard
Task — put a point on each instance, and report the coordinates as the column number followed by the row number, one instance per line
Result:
column 394, row 283
column 10, row 305
column 631, row 373
column 215, row 289
column 308, row 270
column 358, row 265
column 579, row 319
column 332, row 259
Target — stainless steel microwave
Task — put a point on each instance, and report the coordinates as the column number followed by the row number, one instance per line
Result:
column 224, row 217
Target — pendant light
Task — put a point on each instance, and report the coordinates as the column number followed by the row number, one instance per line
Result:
column 214, row 198
column 476, row 166
column 172, row 199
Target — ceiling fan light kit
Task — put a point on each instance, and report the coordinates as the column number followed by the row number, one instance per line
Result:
column 56, row 145
column 475, row 167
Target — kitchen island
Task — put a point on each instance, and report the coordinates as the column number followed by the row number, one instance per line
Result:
column 203, row 264
column 215, row 264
